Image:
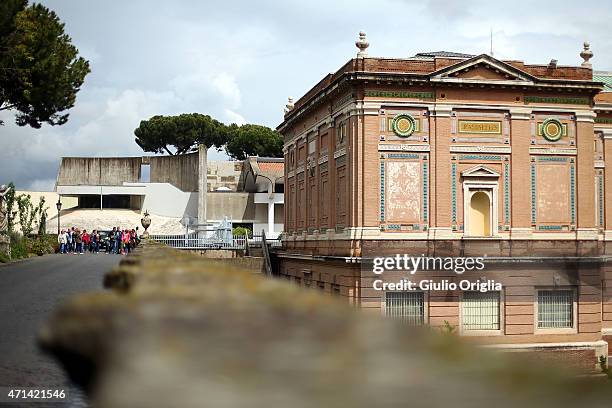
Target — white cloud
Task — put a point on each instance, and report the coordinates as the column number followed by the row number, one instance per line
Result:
column 234, row 117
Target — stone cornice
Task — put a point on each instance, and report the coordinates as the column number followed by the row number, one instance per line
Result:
column 607, row 133
column 585, row 116
column 520, row 113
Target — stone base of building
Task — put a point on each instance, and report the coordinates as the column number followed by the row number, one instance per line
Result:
column 522, row 278
column 606, row 334
column 576, row 355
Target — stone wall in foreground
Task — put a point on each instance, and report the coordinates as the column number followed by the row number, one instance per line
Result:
column 177, row 330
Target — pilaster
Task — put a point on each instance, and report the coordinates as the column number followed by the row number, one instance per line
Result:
column 607, row 136
column 441, row 218
column 585, row 168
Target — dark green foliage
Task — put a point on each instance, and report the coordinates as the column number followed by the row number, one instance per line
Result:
column 25, row 247
column 253, row 140
column 183, row 133
column 40, row 70
column 19, row 248
column 242, row 231
column 41, row 245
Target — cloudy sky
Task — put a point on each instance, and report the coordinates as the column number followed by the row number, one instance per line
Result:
column 239, row 60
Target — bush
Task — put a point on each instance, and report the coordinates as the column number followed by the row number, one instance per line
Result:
column 19, row 247
column 39, row 247
column 242, row 231
column 4, row 258
column 24, row 247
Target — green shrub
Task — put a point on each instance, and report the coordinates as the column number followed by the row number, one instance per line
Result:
column 34, row 245
column 4, row 258
column 242, row 231
column 39, row 247
column 19, row 248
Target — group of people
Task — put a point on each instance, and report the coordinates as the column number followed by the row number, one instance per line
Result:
column 117, row 241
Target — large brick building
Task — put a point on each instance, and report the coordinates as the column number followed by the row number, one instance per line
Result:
column 447, row 154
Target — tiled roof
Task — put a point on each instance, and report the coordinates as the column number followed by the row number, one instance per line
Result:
column 605, row 77
column 443, row 54
column 272, row 169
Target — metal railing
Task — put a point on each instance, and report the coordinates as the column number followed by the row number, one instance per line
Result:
column 192, row 241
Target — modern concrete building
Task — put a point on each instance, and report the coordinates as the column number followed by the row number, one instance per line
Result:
column 109, row 191
column 453, row 155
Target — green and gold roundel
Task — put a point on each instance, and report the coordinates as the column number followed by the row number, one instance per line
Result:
column 403, row 125
column 552, row 129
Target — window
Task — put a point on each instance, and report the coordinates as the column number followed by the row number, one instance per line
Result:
column 555, row 309
column 480, row 311
column 406, row 306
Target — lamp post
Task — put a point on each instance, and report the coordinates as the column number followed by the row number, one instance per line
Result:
column 58, row 205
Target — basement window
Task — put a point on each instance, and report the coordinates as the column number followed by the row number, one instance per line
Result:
column 408, row 307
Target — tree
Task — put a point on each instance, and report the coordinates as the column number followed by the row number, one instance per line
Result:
column 183, row 133
column 27, row 213
column 253, row 140
column 40, row 70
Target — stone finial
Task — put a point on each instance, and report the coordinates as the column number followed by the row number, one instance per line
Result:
column 586, row 55
column 289, row 106
column 362, row 44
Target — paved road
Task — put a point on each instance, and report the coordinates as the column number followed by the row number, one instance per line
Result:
column 29, row 290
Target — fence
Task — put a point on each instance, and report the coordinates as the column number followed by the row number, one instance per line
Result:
column 192, row 241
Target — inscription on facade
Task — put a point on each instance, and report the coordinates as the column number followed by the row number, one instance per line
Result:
column 480, row 126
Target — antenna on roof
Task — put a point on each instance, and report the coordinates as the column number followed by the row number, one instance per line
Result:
column 491, row 41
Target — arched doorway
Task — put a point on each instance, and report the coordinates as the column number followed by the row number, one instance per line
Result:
column 480, row 215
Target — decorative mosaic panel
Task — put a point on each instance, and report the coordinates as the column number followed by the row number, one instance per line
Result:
column 556, row 100
column 382, row 191
column 485, row 157
column 572, row 193
column 507, row 193
column 404, row 192
column 533, row 193
column 454, row 193
column 425, row 191
column 553, row 193
column 600, row 195
column 399, row 94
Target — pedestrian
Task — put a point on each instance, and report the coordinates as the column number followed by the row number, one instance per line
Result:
column 125, row 238
column 78, row 239
column 73, row 234
column 96, row 241
column 61, row 240
column 92, row 242
column 118, row 241
column 133, row 239
column 110, row 241
column 68, row 246
column 86, row 241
